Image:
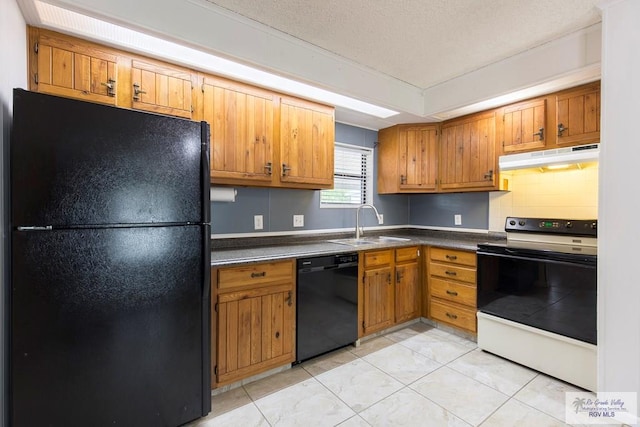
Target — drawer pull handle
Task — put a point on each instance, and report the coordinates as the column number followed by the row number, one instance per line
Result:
column 451, row 257
column 261, row 274
column 454, row 293
column 450, row 273
column 451, row 316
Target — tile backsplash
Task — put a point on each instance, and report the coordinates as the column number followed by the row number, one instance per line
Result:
column 554, row 194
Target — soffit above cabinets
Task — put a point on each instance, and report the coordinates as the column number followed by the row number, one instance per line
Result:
column 428, row 60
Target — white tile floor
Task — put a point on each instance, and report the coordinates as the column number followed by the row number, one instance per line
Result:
column 418, row 376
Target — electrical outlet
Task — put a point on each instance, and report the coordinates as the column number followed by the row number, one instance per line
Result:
column 257, row 222
column 457, row 219
column 381, row 219
column 298, row 220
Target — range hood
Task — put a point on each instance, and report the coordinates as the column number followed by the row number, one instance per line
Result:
column 557, row 156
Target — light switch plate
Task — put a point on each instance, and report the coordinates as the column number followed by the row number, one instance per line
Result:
column 298, row 220
column 457, row 219
column 257, row 222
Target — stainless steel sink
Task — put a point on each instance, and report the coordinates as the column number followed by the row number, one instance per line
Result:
column 369, row 240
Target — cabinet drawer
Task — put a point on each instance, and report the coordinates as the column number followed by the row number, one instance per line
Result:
column 453, row 256
column 453, row 272
column 456, row 292
column 374, row 258
column 255, row 274
column 461, row 317
column 406, row 254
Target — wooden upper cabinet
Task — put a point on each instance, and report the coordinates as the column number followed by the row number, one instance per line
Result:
column 65, row 66
column 408, row 159
column 468, row 159
column 578, row 115
column 242, row 124
column 523, row 126
column 161, row 88
column 307, row 134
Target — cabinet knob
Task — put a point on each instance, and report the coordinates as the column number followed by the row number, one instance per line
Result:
column 540, row 134
column 111, row 89
column 137, row 91
column 561, row 129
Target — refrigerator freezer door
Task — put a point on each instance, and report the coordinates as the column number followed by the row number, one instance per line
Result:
column 108, row 327
column 77, row 163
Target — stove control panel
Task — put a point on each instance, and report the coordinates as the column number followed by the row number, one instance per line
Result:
column 574, row 227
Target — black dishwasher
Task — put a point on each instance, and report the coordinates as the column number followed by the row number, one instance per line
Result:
column 327, row 304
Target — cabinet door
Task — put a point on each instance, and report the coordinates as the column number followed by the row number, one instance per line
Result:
column 578, row 115
column 467, row 150
column 255, row 331
column 407, row 292
column 161, row 88
column 306, row 144
column 72, row 68
column 242, row 131
column 523, row 126
column 377, row 300
column 418, row 158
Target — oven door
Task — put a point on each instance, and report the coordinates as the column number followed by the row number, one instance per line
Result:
column 552, row 291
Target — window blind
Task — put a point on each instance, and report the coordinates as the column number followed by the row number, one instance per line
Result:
column 351, row 177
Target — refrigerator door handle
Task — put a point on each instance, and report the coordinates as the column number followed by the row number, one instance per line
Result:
column 34, row 228
column 205, row 178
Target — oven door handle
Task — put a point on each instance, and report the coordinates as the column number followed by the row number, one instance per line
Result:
column 515, row 254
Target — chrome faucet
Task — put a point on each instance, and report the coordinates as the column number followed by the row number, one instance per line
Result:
column 358, row 232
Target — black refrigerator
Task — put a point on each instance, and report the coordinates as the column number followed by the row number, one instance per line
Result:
column 109, row 290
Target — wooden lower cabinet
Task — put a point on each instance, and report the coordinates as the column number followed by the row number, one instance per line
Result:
column 253, row 319
column 451, row 287
column 390, row 290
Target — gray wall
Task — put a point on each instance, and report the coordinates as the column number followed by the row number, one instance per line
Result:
column 13, row 57
column 437, row 210
column 279, row 205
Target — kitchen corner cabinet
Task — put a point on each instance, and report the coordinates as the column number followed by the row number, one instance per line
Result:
column 66, row 66
column 523, row 126
column 468, row 160
column 253, row 319
column 408, row 159
column 451, row 287
column 389, row 292
column 242, row 124
column 307, row 138
column 577, row 119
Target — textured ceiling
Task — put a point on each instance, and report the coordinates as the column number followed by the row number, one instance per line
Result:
column 422, row 42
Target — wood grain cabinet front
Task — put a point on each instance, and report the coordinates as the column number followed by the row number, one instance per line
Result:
column 253, row 320
column 577, row 119
column 307, row 142
column 65, row 66
column 468, row 160
column 390, row 290
column 162, row 88
column 451, row 287
column 408, row 159
column 243, row 121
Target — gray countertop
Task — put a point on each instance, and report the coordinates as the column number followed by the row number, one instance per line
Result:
column 238, row 251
